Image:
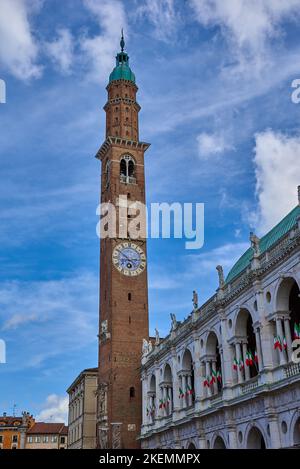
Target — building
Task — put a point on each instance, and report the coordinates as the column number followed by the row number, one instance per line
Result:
column 47, row 436
column 82, row 410
column 13, row 430
column 226, row 377
column 123, row 323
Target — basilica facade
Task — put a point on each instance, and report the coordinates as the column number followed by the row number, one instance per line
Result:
column 227, row 377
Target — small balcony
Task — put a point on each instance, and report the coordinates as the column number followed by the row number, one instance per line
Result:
column 127, row 179
column 293, row 369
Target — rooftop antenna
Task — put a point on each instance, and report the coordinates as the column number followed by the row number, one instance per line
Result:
column 14, row 410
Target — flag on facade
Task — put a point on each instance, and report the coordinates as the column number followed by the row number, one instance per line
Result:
column 277, row 343
column 189, row 391
column 206, row 382
column 235, row 364
column 212, row 380
column 161, row 403
column 219, row 376
column 181, row 393
column 241, row 365
column 256, row 357
column 296, row 331
column 249, row 358
column 284, row 343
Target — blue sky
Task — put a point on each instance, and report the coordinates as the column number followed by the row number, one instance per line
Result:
column 215, row 89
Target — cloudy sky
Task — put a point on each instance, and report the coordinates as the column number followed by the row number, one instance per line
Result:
column 214, row 83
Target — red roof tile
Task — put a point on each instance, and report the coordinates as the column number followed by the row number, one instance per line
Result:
column 48, row 428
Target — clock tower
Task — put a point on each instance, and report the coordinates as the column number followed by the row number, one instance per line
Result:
column 123, row 322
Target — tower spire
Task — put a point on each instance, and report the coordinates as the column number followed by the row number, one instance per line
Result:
column 122, row 42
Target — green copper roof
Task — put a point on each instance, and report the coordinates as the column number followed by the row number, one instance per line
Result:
column 122, row 71
column 265, row 242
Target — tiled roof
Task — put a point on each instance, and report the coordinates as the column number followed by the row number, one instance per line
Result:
column 10, row 421
column 265, row 243
column 48, row 428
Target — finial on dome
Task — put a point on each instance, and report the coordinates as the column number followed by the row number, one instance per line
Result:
column 122, row 42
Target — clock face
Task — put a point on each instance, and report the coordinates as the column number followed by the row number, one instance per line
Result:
column 129, row 259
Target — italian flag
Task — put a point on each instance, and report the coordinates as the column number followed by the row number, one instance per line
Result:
column 235, row 364
column 167, row 401
column 277, row 343
column 206, row 382
column 256, row 357
column 241, row 364
column 181, row 393
column 219, row 376
column 296, row 331
column 212, row 380
column 161, row 403
column 284, row 343
column 249, row 358
column 189, row 391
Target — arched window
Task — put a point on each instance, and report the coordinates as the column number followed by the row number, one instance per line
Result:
column 132, row 392
column 127, row 170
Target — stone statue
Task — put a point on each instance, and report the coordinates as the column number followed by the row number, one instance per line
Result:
column 157, row 339
column 174, row 322
column 221, row 276
column 145, row 347
column 150, row 346
column 195, row 300
column 255, row 244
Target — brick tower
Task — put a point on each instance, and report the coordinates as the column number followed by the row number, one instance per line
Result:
column 123, row 320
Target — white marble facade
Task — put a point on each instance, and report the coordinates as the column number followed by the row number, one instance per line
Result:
column 255, row 406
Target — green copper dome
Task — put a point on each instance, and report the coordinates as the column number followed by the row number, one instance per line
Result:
column 122, row 71
column 265, row 242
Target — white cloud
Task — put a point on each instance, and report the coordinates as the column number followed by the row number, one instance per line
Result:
column 162, row 15
column 48, row 318
column 212, row 144
column 61, row 50
column 277, row 177
column 248, row 25
column 18, row 46
column 54, row 410
column 100, row 50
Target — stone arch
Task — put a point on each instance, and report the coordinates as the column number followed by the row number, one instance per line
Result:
column 191, row 445
column 167, row 374
column 255, row 438
column 219, row 442
column 282, row 292
column 288, row 300
column 188, row 377
column 244, row 330
column 127, row 168
column 152, row 383
column 213, row 354
column 295, row 430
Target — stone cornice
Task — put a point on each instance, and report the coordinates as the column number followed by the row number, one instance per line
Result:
column 122, row 142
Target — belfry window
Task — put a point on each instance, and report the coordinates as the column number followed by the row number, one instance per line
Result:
column 127, row 170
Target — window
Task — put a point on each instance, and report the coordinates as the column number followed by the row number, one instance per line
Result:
column 54, row 439
column 45, row 439
column 37, row 439
column 131, row 392
column 1, row 439
column 15, row 438
column 129, row 296
column 127, row 170
column 62, row 439
column 30, row 439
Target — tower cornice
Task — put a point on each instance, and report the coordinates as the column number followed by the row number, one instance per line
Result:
column 122, row 142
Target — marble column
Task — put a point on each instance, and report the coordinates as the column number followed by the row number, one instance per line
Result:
column 287, row 332
column 247, row 369
column 214, row 369
column 208, row 375
column 238, row 354
column 279, row 333
column 258, row 349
